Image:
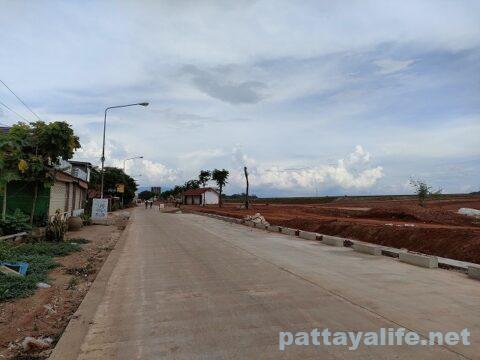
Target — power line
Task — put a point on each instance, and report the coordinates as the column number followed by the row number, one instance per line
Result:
column 28, row 107
column 13, row 111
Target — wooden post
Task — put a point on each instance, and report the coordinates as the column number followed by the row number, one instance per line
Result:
column 246, row 193
column 34, row 202
column 4, row 207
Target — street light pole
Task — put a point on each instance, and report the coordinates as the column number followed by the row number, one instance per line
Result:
column 132, row 158
column 104, row 128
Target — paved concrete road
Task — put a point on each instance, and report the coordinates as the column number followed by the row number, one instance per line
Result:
column 184, row 286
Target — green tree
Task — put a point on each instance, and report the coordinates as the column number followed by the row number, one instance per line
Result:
column 203, row 178
column 422, row 190
column 10, row 165
column 38, row 147
column 112, row 177
column 146, row 195
column 191, row 184
column 220, row 177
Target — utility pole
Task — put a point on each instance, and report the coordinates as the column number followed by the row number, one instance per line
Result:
column 246, row 193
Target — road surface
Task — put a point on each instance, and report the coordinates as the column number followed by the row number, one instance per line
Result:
column 184, row 286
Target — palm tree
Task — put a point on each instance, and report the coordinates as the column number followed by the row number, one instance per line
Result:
column 220, row 177
column 203, row 178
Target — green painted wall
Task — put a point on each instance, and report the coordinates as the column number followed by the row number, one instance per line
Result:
column 20, row 196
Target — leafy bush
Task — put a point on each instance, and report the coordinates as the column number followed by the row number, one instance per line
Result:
column 423, row 191
column 86, row 218
column 16, row 223
column 56, row 228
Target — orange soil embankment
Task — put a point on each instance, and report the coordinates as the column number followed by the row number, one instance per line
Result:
column 437, row 229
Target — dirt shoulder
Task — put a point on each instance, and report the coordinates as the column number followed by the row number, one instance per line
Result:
column 47, row 312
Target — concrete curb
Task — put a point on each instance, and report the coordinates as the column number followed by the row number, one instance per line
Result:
column 289, row 231
column 333, row 240
column 474, row 272
column 425, row 261
column 260, row 226
column 274, row 228
column 307, row 235
column 367, row 249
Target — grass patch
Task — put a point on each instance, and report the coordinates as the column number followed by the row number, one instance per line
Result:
column 78, row 241
column 46, row 248
column 40, row 258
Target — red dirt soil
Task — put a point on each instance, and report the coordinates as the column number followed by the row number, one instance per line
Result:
column 437, row 228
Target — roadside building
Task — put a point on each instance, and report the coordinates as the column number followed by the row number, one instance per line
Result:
column 68, row 193
column 4, row 129
column 204, row 196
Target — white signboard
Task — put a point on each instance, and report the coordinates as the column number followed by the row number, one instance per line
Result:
column 99, row 208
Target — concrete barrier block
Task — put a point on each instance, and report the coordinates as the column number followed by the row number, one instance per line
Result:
column 249, row 223
column 273, row 228
column 422, row 260
column 332, row 240
column 307, row 235
column 288, row 231
column 260, row 226
column 367, row 249
column 474, row 272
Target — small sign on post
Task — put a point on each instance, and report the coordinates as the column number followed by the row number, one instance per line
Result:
column 99, row 208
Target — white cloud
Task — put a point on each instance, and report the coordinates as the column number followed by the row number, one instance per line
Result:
column 195, row 159
column 348, row 173
column 150, row 173
column 390, row 66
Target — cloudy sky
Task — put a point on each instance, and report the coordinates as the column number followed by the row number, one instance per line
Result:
column 315, row 97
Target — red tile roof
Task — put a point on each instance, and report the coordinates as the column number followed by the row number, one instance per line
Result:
column 200, row 191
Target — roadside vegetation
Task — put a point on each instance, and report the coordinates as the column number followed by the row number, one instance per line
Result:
column 28, row 152
column 423, row 191
column 15, row 223
column 112, row 178
column 39, row 256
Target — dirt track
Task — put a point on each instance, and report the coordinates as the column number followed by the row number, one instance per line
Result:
column 436, row 229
